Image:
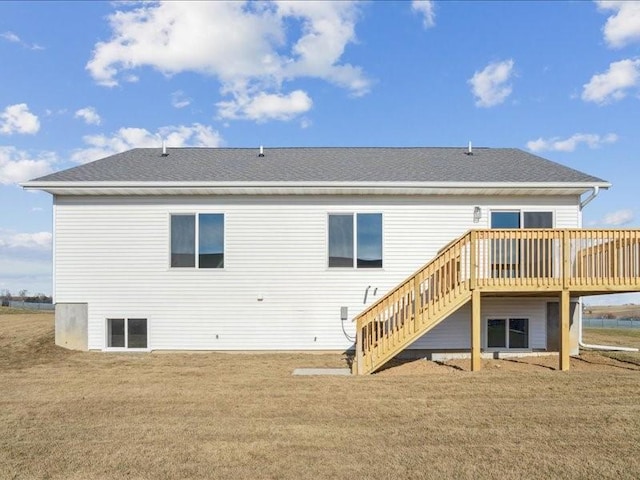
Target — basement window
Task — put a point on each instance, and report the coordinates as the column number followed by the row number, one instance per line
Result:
column 508, row 333
column 355, row 240
column 127, row 333
column 202, row 233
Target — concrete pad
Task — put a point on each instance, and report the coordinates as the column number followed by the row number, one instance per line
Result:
column 322, row 371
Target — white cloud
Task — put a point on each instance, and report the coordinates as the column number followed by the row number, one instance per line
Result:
column 490, row 86
column 305, row 122
column 89, row 115
column 612, row 85
column 179, row 99
column 99, row 146
column 265, row 106
column 13, row 38
column 10, row 37
column 25, row 261
column 558, row 144
column 426, row 9
column 18, row 119
column 623, row 27
column 248, row 46
column 619, row 217
column 18, row 166
column 30, row 241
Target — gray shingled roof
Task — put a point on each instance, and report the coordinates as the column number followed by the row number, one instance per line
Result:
column 319, row 164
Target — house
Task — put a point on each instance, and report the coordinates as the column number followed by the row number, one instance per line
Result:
column 430, row 250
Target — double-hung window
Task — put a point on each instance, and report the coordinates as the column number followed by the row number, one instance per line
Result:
column 197, row 240
column 355, row 240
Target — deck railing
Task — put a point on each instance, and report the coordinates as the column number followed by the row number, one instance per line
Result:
column 517, row 261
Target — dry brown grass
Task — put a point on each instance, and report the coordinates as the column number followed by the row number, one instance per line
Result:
column 618, row 311
column 66, row 415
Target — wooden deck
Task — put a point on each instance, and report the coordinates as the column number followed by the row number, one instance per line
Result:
column 529, row 262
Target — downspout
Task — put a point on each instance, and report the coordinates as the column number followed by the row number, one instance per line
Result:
column 594, row 194
column 604, row 347
column 583, row 203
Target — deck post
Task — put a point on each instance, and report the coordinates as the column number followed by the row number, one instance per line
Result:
column 564, row 329
column 358, row 357
column 475, row 331
column 472, row 258
column 566, row 259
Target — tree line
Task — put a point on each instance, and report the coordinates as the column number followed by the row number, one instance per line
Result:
column 23, row 296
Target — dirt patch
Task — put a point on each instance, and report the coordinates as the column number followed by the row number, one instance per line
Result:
column 586, row 362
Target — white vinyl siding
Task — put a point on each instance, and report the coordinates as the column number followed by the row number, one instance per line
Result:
column 276, row 291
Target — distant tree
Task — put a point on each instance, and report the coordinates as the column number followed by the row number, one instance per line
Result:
column 22, row 294
column 38, row 298
column 5, row 297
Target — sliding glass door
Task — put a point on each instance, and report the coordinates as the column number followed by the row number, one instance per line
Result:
column 521, row 258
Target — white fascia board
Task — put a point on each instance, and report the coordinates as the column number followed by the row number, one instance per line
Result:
column 172, row 188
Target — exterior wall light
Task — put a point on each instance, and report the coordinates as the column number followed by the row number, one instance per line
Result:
column 477, row 214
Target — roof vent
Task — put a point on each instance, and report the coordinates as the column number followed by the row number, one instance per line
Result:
column 261, row 154
column 470, row 149
column 164, row 149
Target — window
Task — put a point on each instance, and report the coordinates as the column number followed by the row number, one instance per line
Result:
column 513, row 258
column 211, row 241
column 202, row 233
column 127, row 333
column 505, row 219
column 366, row 250
column 183, row 241
column 341, row 240
column 515, row 336
column 505, row 252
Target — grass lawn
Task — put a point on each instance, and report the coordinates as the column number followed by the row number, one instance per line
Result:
column 617, row 311
column 71, row 415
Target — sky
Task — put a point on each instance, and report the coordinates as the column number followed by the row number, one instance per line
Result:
column 83, row 80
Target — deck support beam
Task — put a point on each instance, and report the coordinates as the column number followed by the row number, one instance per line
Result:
column 565, row 312
column 476, row 362
column 358, row 357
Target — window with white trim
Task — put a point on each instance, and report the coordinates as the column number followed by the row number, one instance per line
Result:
column 197, row 240
column 507, row 333
column 355, row 240
column 128, row 333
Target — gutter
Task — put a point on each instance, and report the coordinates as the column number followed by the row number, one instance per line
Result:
column 37, row 184
column 313, row 188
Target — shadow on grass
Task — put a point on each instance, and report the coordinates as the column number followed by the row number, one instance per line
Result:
column 584, row 360
column 624, row 358
column 533, row 364
column 399, row 362
column 445, row 364
column 348, row 357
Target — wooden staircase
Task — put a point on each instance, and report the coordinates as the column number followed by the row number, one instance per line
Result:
column 527, row 262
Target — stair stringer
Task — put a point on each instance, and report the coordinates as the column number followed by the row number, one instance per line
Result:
column 458, row 302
